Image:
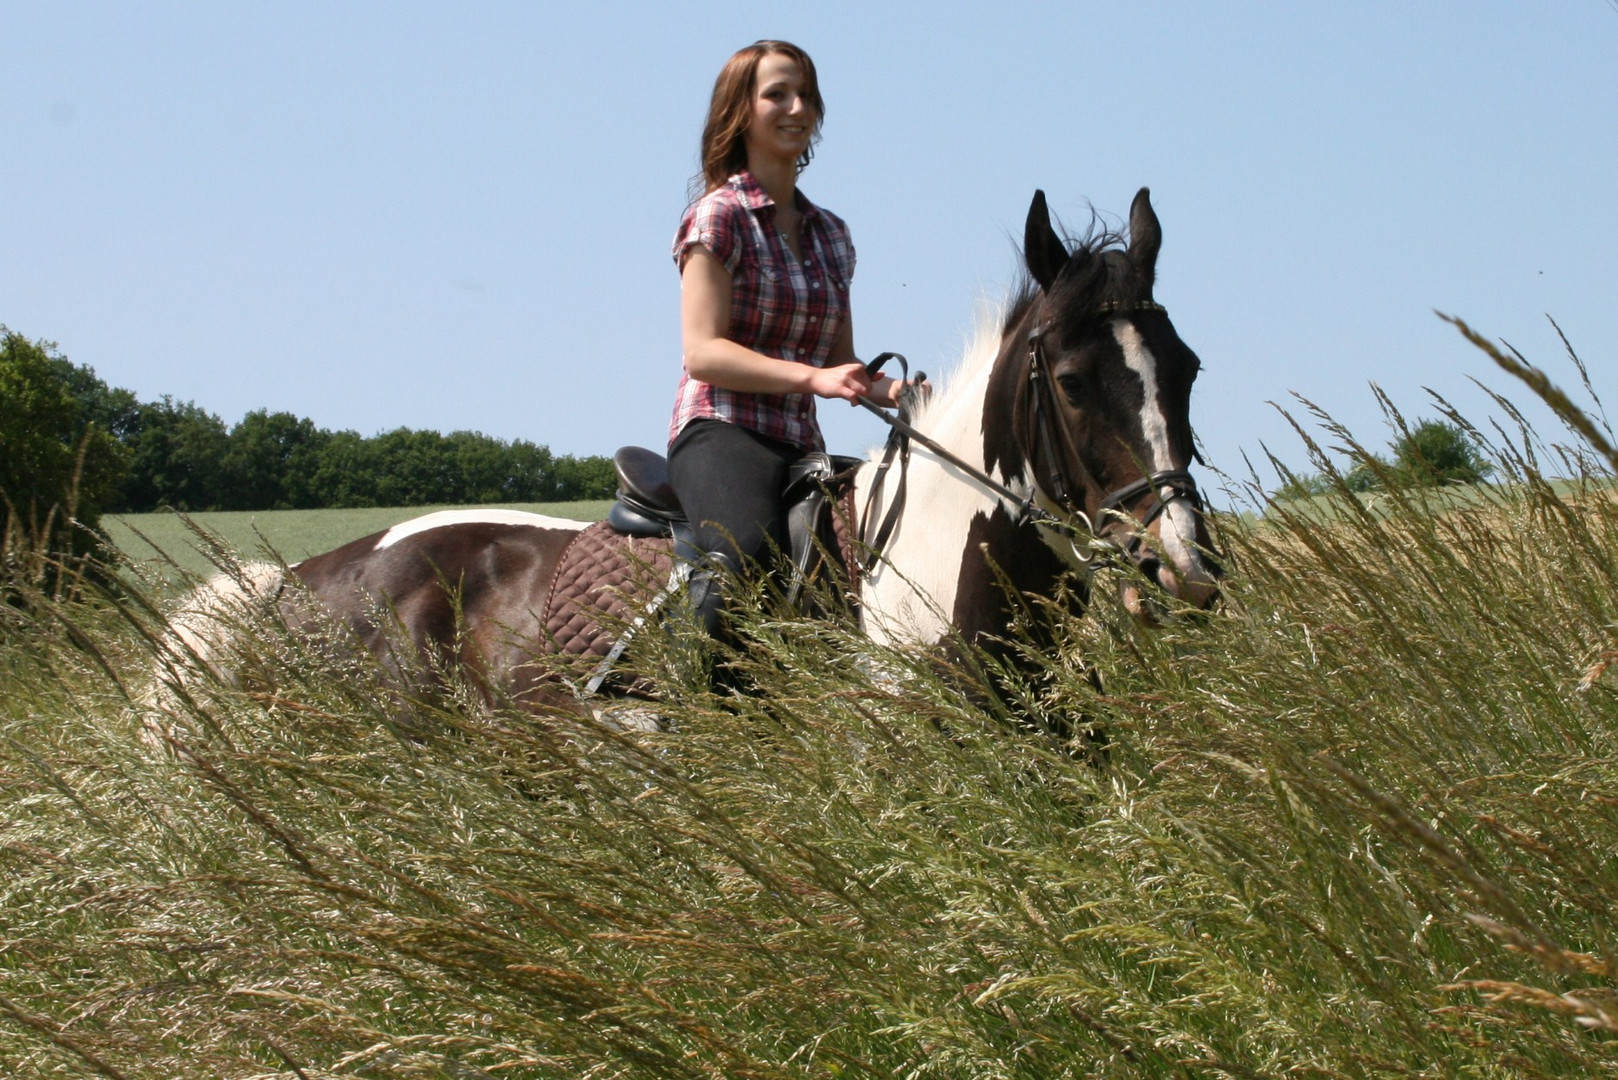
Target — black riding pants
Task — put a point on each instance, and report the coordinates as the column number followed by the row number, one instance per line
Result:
column 729, row 481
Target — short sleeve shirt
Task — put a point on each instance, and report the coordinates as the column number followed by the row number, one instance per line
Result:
column 780, row 306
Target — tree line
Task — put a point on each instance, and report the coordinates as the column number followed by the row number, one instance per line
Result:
column 184, row 457
column 73, row 447
column 71, row 442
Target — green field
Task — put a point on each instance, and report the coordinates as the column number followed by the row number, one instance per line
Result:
column 156, row 540
column 1360, row 822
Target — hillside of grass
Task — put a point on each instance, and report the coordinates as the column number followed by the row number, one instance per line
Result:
column 1360, row 822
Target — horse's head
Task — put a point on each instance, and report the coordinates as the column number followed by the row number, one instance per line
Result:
column 1099, row 386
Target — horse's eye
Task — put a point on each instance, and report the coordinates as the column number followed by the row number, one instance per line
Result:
column 1072, row 387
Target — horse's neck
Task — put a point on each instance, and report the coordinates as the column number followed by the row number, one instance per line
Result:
column 941, row 569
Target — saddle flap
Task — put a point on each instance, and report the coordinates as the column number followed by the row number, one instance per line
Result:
column 601, row 583
column 817, row 469
column 628, row 519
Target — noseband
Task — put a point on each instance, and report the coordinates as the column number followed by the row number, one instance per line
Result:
column 1168, row 486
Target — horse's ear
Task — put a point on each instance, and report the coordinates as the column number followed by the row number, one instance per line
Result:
column 1145, row 234
column 1042, row 249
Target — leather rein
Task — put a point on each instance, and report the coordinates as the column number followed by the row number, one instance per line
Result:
column 1051, row 445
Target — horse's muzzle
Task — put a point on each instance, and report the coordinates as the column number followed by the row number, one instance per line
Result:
column 1180, row 566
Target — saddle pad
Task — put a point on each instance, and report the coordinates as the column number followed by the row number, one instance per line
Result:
column 846, row 532
column 603, row 580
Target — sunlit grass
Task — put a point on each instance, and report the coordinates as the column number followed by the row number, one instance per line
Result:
column 1361, row 822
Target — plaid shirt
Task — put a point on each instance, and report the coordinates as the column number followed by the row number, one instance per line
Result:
column 778, row 306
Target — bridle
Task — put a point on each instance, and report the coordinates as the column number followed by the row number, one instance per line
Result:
column 1167, row 486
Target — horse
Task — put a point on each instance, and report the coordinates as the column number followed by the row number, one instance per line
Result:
column 1063, row 432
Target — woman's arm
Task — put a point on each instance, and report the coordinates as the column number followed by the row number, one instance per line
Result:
column 719, row 361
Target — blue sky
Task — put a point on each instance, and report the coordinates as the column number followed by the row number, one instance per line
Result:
column 457, row 216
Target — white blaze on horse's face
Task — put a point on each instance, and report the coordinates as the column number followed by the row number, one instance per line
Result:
column 1184, row 571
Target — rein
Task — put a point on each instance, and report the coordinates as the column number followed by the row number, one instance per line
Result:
column 899, row 438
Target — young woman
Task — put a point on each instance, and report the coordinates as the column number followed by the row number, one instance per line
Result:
column 764, row 316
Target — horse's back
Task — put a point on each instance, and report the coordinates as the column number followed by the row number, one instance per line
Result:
column 472, row 583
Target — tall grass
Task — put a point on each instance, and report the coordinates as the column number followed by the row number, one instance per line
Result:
column 1361, row 822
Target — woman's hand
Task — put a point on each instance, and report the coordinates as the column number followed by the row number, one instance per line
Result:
column 886, row 391
column 847, row 381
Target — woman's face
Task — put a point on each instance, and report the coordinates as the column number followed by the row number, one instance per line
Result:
column 783, row 119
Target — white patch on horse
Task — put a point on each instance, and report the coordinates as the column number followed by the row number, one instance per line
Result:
column 443, row 518
column 1154, row 425
column 199, row 648
column 910, row 595
column 1179, row 531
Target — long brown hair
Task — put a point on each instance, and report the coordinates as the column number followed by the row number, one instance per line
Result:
column 724, row 150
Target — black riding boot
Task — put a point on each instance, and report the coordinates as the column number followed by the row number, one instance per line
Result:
column 708, row 591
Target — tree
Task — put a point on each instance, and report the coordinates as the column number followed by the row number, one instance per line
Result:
column 115, row 410
column 270, row 461
column 482, row 467
column 179, row 458
column 583, row 478
column 57, row 465
column 414, row 468
column 530, row 473
column 344, row 470
column 1433, row 453
column 1437, row 452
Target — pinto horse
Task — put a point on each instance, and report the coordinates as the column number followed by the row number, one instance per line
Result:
column 1064, row 431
